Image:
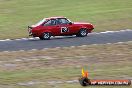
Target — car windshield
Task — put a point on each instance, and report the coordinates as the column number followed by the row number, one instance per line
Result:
column 69, row 20
column 40, row 22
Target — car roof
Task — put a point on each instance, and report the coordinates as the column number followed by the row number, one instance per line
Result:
column 54, row 17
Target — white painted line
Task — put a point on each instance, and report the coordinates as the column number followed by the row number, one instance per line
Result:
column 122, row 30
column 120, row 42
column 128, row 29
column 7, row 39
column 84, row 45
column 44, row 49
column 109, row 32
column 6, row 51
column 2, row 40
column 24, row 38
column 108, row 43
column 31, row 38
column 30, row 83
column 17, row 39
column 21, row 50
column 72, row 46
column 94, row 44
column 102, row 32
column 57, row 47
column 72, row 81
column 33, row 49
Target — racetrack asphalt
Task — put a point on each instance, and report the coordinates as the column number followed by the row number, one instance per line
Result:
column 93, row 38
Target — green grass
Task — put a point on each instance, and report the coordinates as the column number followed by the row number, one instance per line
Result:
column 16, row 15
column 111, row 61
column 12, row 78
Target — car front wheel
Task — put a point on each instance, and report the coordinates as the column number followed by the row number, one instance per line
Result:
column 82, row 33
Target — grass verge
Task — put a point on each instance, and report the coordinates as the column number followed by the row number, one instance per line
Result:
column 16, row 15
column 54, row 67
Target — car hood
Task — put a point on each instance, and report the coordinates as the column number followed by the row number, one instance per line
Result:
column 81, row 23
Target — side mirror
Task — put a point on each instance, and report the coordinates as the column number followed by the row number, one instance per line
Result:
column 70, row 23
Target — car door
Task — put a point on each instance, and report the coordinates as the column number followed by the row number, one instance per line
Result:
column 65, row 27
column 51, row 26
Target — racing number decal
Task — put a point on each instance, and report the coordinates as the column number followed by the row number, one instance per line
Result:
column 64, row 29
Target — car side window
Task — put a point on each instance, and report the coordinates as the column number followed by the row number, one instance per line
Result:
column 50, row 23
column 62, row 21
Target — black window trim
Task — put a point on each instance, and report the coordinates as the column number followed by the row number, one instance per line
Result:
column 62, row 18
column 50, row 20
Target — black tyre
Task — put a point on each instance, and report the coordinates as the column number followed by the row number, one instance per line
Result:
column 41, row 38
column 45, row 36
column 82, row 33
column 84, row 81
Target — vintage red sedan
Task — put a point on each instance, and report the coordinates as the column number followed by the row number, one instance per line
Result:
column 59, row 26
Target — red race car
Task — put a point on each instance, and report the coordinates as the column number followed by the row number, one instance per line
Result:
column 59, row 26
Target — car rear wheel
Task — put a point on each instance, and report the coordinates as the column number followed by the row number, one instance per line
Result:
column 41, row 38
column 82, row 33
column 45, row 36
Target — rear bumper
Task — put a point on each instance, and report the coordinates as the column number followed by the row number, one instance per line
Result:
column 30, row 35
column 33, row 35
column 30, row 31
